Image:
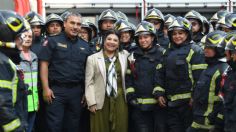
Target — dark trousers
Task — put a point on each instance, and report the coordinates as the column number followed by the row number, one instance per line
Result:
column 191, row 129
column 161, row 124
column 142, row 121
column 179, row 118
column 67, row 100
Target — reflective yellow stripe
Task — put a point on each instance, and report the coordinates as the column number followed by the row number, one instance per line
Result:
column 220, row 116
column 159, row 66
column 5, row 84
column 130, row 90
column 179, row 96
column 158, row 89
column 14, row 82
column 12, row 125
column 199, row 67
column 211, row 97
column 196, row 125
column 147, row 101
column 188, row 58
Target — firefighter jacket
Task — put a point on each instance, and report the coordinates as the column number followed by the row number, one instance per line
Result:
column 11, row 106
column 141, row 76
column 197, row 37
column 129, row 47
column 207, row 105
column 182, row 66
column 162, row 40
column 37, row 44
column 229, row 94
column 96, row 43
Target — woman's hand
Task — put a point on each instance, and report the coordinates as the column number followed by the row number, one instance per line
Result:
column 93, row 108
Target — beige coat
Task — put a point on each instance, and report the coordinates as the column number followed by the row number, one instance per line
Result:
column 95, row 77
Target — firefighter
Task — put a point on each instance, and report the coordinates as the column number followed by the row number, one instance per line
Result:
column 207, row 26
column 182, row 64
column 156, row 17
column 140, row 78
column 126, row 32
column 207, row 105
column 37, row 25
column 54, row 24
column 227, row 23
column 229, row 87
column 217, row 16
column 121, row 15
column 168, row 20
column 12, row 88
column 94, row 29
column 106, row 22
column 196, row 21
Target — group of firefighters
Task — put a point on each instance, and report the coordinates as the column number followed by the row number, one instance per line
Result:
column 180, row 73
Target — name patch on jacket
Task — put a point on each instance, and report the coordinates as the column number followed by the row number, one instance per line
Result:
column 62, row 45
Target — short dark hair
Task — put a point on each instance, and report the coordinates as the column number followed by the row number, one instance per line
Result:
column 72, row 13
column 107, row 33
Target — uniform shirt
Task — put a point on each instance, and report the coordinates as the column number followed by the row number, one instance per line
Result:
column 37, row 45
column 66, row 57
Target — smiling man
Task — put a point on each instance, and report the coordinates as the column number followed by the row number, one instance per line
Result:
column 62, row 73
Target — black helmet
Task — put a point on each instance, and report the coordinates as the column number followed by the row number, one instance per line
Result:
column 93, row 26
column 64, row 15
column 34, row 18
column 145, row 28
column 228, row 40
column 154, row 14
column 122, row 26
column 169, row 19
column 11, row 25
column 88, row 28
column 180, row 23
column 216, row 40
column 230, row 21
column 231, row 45
column 121, row 15
column 107, row 15
column 53, row 17
column 195, row 15
column 217, row 16
column 207, row 26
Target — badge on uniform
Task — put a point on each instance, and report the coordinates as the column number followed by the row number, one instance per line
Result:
column 82, row 48
column 62, row 45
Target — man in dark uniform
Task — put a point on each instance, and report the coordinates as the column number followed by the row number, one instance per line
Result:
column 62, row 64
